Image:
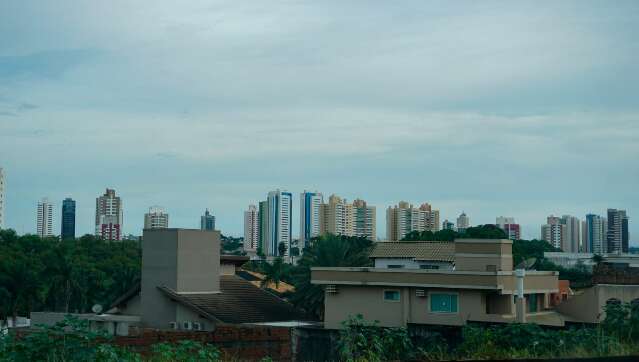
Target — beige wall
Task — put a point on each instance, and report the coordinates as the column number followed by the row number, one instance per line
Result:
column 589, row 305
column 483, row 254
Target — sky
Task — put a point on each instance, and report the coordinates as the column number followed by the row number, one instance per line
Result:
column 515, row 108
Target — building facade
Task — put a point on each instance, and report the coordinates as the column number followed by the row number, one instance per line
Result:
column 447, row 225
column 553, row 232
column 251, row 228
column 594, row 231
column 338, row 217
column 156, row 218
column 45, row 218
column 572, row 234
column 617, row 235
column 207, row 221
column 463, row 222
column 67, row 230
column 278, row 222
column 2, row 187
column 310, row 210
column 262, row 227
column 404, row 218
column 108, row 216
column 509, row 226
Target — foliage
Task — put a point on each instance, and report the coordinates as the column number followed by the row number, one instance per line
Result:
column 365, row 341
column 525, row 249
column 325, row 251
column 231, row 246
column 487, row 231
column 273, row 273
column 72, row 340
column 442, row 235
column 579, row 276
column 281, row 249
column 67, row 276
column 477, row 232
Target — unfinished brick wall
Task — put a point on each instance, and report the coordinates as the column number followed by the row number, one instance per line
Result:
column 247, row 343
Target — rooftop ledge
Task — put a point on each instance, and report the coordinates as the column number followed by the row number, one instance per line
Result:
column 428, row 271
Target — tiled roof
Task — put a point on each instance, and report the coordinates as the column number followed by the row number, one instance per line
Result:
column 256, row 279
column 239, row 302
column 419, row 250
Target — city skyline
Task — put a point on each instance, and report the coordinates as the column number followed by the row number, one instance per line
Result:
column 492, row 108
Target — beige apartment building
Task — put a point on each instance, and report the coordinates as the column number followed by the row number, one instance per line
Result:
column 483, row 287
column 338, row 217
column 404, row 218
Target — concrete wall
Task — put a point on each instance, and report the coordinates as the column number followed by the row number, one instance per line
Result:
column 182, row 260
column 483, row 255
column 589, row 305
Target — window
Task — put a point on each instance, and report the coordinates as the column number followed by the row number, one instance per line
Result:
column 391, row 295
column 395, row 266
column 532, row 303
column 428, row 266
column 443, row 303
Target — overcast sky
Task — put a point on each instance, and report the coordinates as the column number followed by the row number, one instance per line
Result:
column 511, row 108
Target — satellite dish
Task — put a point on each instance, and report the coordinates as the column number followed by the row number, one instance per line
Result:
column 97, row 309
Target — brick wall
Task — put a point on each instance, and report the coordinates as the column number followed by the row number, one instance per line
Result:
column 236, row 342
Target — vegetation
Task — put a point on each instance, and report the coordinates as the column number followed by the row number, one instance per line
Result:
column 232, row 246
column 72, row 340
column 618, row 335
column 66, row 276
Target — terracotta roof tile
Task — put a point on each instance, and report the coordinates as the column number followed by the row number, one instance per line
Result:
column 418, row 250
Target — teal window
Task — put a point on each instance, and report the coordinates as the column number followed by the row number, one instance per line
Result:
column 532, row 303
column 443, row 303
column 391, row 295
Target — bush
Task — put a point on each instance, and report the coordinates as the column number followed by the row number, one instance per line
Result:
column 366, row 341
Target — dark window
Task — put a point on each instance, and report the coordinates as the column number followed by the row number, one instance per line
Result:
column 391, row 295
column 395, row 266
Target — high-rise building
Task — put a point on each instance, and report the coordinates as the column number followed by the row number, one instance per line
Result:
column 251, row 228
column 404, row 218
column 278, row 227
column 207, row 221
column 594, row 231
column 68, row 219
column 447, row 225
column 572, row 237
column 156, row 218
column 1, row 198
column 617, row 235
column 508, row 225
column 108, row 216
column 310, row 205
column 554, row 231
column 463, row 222
column 338, row 217
column 262, row 227
column 45, row 218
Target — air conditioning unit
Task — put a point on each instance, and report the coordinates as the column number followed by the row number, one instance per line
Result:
column 197, row 326
column 187, row 326
column 331, row 288
column 420, row 293
column 173, row 325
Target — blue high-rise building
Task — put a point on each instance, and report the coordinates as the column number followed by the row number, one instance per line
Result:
column 207, row 221
column 68, row 219
column 310, row 204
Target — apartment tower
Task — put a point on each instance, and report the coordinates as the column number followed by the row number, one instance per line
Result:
column 251, row 228
column 554, row 232
column 108, row 216
column 278, row 222
column 156, row 218
column 463, row 222
column 310, row 205
column 1, row 198
column 207, row 221
column 509, row 226
column 338, row 217
column 68, row 219
column 594, row 231
column 45, row 218
column 572, row 237
column 617, row 235
column 404, row 218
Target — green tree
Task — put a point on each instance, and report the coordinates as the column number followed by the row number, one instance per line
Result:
column 281, row 249
column 273, row 273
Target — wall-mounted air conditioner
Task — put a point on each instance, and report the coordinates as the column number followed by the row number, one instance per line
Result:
column 197, row 326
column 173, row 325
column 187, row 326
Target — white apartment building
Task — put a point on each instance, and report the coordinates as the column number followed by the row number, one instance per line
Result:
column 156, row 218
column 463, row 222
column 553, row 232
column 310, row 205
column 278, row 228
column 594, row 230
column 2, row 184
column 251, row 228
column 404, row 218
column 108, row 216
column 45, row 218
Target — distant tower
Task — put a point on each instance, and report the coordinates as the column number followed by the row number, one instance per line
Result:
column 68, row 219
column 251, row 228
column 617, row 235
column 1, row 198
column 108, row 216
column 310, row 204
column 508, row 225
column 207, row 221
column 278, row 222
column 463, row 222
column 45, row 218
column 554, row 232
column 594, row 231
column 156, row 218
column 447, row 225
column 404, row 218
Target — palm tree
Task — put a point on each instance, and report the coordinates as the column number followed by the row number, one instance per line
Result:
column 273, row 273
column 326, row 251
